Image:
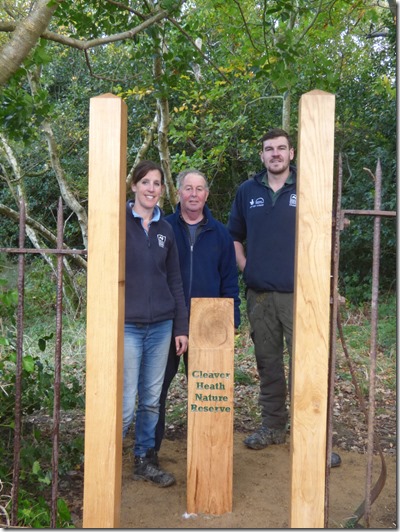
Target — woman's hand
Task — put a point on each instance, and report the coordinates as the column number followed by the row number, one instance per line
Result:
column 181, row 344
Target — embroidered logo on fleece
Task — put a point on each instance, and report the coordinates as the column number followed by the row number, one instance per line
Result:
column 259, row 202
column 292, row 200
column 161, row 240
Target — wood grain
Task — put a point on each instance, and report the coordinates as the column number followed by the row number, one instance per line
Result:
column 105, row 312
column 309, row 396
column 210, row 406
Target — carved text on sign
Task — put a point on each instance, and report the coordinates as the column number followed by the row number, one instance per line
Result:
column 200, row 398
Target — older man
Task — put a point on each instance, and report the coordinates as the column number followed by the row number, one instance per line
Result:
column 207, row 262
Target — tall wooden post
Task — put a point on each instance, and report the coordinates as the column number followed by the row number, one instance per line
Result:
column 105, row 312
column 309, row 396
column 210, row 406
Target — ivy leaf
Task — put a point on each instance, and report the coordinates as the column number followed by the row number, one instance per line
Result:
column 63, row 510
column 28, row 364
column 42, row 342
column 36, row 467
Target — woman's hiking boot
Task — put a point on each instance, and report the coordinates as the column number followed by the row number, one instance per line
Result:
column 147, row 468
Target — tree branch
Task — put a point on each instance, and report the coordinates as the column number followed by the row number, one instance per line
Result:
column 189, row 38
column 246, row 25
column 92, row 43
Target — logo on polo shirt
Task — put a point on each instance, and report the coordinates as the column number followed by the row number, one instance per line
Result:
column 259, row 202
column 292, row 200
column 161, row 240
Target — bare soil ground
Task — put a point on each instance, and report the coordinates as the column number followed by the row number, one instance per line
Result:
column 261, row 479
column 261, row 491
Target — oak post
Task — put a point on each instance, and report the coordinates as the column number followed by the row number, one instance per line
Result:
column 105, row 312
column 309, row 395
column 210, row 406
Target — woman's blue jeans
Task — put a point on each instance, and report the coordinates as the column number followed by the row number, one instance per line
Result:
column 146, row 349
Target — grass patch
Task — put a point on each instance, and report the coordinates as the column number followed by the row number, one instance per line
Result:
column 242, row 377
column 357, row 334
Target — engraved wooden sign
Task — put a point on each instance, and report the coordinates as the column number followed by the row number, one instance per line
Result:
column 210, row 406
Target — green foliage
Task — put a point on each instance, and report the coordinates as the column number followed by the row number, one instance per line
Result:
column 8, row 302
column 357, row 327
column 253, row 60
column 40, row 292
column 357, row 331
column 387, row 325
column 177, row 414
column 37, row 384
column 242, row 377
column 22, row 112
column 34, row 512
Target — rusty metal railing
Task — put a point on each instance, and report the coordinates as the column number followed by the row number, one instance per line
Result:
column 61, row 251
column 340, row 223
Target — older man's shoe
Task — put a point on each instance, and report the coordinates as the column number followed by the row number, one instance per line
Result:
column 147, row 468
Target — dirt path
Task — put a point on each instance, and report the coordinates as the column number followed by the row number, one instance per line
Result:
column 261, row 491
column 261, row 479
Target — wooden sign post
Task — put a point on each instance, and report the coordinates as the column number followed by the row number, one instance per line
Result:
column 309, row 396
column 210, row 406
column 105, row 312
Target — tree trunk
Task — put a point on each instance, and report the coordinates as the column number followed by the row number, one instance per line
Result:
column 393, row 8
column 66, row 193
column 164, row 119
column 70, row 289
column 142, row 151
column 25, row 38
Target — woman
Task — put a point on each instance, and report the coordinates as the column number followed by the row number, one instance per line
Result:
column 154, row 310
